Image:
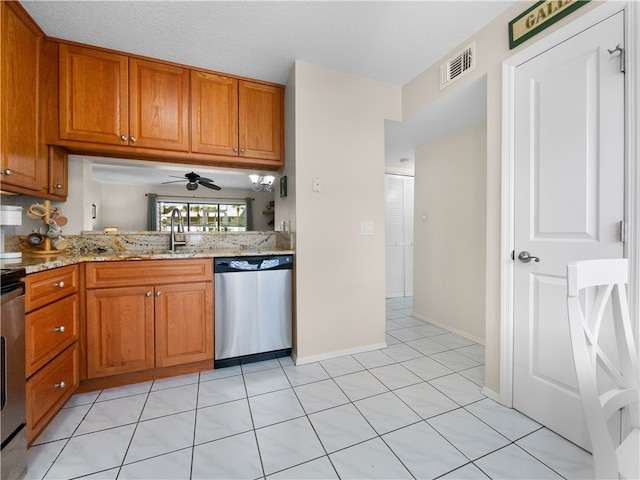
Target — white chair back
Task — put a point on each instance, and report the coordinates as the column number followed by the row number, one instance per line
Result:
column 595, row 367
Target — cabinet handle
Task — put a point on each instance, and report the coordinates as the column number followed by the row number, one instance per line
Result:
column 158, row 293
column 59, row 284
column 59, row 329
column 242, row 150
column 58, row 185
column 133, row 139
column 60, row 385
column 123, row 138
column 235, row 149
column 148, row 294
column 8, row 172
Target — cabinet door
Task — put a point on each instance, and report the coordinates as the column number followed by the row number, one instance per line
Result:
column 23, row 164
column 184, row 323
column 94, row 96
column 159, row 105
column 58, row 172
column 214, row 114
column 261, row 121
column 119, row 330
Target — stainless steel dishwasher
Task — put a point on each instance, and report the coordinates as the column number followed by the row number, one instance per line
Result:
column 252, row 307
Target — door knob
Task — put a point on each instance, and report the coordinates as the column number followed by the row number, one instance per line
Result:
column 526, row 257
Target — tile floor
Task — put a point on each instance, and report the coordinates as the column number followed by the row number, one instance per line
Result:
column 412, row 410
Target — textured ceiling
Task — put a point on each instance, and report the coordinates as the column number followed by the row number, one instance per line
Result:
column 389, row 41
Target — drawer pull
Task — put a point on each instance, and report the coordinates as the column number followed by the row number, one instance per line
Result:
column 59, row 284
column 148, row 294
column 59, row 329
column 158, row 293
column 60, row 385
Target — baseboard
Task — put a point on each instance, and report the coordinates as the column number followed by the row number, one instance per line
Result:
column 487, row 392
column 446, row 326
column 338, row 353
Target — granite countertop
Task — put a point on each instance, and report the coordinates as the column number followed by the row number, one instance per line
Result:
column 100, row 247
column 38, row 263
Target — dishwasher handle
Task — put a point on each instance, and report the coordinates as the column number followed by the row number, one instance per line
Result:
column 253, row 264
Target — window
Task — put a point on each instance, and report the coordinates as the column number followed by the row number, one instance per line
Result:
column 203, row 215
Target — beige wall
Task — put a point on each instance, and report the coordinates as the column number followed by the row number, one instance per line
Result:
column 339, row 137
column 450, row 191
column 492, row 48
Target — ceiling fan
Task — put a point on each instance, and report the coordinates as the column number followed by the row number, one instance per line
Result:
column 193, row 180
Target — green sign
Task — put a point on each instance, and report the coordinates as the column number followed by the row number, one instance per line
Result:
column 542, row 15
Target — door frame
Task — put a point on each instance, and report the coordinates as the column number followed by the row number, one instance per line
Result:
column 632, row 170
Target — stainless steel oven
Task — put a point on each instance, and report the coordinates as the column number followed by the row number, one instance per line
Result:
column 13, row 457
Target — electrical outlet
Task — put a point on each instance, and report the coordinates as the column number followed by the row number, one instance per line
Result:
column 317, row 184
column 366, row 227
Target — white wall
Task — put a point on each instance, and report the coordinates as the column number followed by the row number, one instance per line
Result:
column 286, row 206
column 450, row 191
column 339, row 137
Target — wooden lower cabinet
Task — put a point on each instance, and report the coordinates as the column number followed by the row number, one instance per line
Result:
column 184, row 323
column 120, row 330
column 50, row 388
column 52, row 351
column 134, row 328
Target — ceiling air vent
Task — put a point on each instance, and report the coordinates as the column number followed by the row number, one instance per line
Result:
column 456, row 67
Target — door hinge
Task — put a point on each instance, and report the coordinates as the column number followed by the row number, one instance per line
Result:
column 622, row 233
column 621, row 50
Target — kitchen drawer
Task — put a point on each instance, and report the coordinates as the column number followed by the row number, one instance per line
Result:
column 46, row 287
column 141, row 272
column 49, row 330
column 50, row 388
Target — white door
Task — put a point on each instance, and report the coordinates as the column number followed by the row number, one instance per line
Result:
column 398, row 236
column 569, row 201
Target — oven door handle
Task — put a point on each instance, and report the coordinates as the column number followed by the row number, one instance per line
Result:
column 3, row 393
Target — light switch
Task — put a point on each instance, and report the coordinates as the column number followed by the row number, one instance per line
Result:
column 366, row 227
column 317, row 184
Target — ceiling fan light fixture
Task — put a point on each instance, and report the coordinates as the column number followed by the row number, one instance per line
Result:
column 260, row 182
column 193, row 180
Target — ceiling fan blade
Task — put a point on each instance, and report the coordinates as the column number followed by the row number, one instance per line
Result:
column 203, row 179
column 182, row 177
column 175, row 181
column 209, row 185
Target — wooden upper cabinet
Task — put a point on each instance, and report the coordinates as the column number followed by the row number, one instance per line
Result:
column 214, row 114
column 261, row 110
column 162, row 110
column 236, row 117
column 58, row 172
column 94, row 95
column 109, row 98
column 159, row 105
column 24, row 162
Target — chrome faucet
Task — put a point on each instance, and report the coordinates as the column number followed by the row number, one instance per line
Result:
column 175, row 243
